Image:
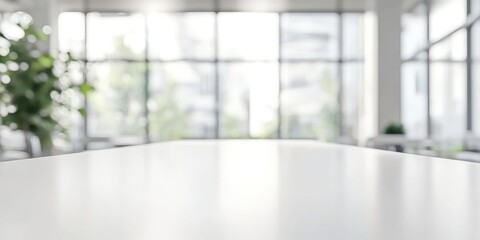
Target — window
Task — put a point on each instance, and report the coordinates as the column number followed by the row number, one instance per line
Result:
column 182, row 100
column 435, row 76
column 446, row 16
column 72, row 37
column 310, row 101
column 352, row 36
column 352, row 73
column 448, row 91
column 475, row 6
column 451, row 49
column 415, row 99
column 115, row 36
column 161, row 76
column 310, row 36
column 448, row 87
column 414, row 30
column 476, row 78
column 248, row 100
column 248, row 36
column 173, row 36
column 351, row 96
column 117, row 106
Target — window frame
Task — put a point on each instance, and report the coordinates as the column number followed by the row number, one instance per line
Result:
column 280, row 60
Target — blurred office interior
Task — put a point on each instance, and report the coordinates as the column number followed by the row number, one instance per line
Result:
column 389, row 74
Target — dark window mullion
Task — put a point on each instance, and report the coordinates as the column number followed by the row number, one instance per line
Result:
column 147, row 81
column 85, row 72
column 279, row 116
column 341, row 120
column 469, row 72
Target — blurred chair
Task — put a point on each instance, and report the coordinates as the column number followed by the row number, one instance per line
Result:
column 471, row 149
column 128, row 141
column 15, row 145
column 427, row 147
column 97, row 143
column 468, row 156
column 346, row 140
column 471, row 143
column 391, row 142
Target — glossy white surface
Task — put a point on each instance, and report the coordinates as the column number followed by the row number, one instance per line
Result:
column 225, row 190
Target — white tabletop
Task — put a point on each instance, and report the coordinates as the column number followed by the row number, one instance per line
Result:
column 245, row 190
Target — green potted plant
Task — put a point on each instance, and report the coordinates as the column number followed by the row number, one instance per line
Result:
column 395, row 129
column 33, row 84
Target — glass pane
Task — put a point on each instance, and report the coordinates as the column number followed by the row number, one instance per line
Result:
column 117, row 106
column 310, row 36
column 452, row 48
column 353, row 35
column 252, row 36
column 414, row 31
column 248, row 100
column 476, row 98
column 71, row 33
column 475, row 6
column 181, row 36
column 415, row 99
column 310, row 101
column 448, row 92
column 352, row 82
column 445, row 16
column 182, row 100
column 115, row 36
column 476, row 78
column 278, row 6
column 476, row 42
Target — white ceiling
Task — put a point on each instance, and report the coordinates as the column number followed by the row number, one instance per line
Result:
column 204, row 5
column 195, row 5
column 8, row 5
column 278, row 5
column 409, row 4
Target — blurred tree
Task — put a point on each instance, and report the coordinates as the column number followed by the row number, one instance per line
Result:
column 34, row 83
column 118, row 102
column 324, row 122
column 169, row 121
column 328, row 124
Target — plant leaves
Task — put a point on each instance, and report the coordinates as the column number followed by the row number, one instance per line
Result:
column 31, row 85
column 82, row 112
column 86, row 88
